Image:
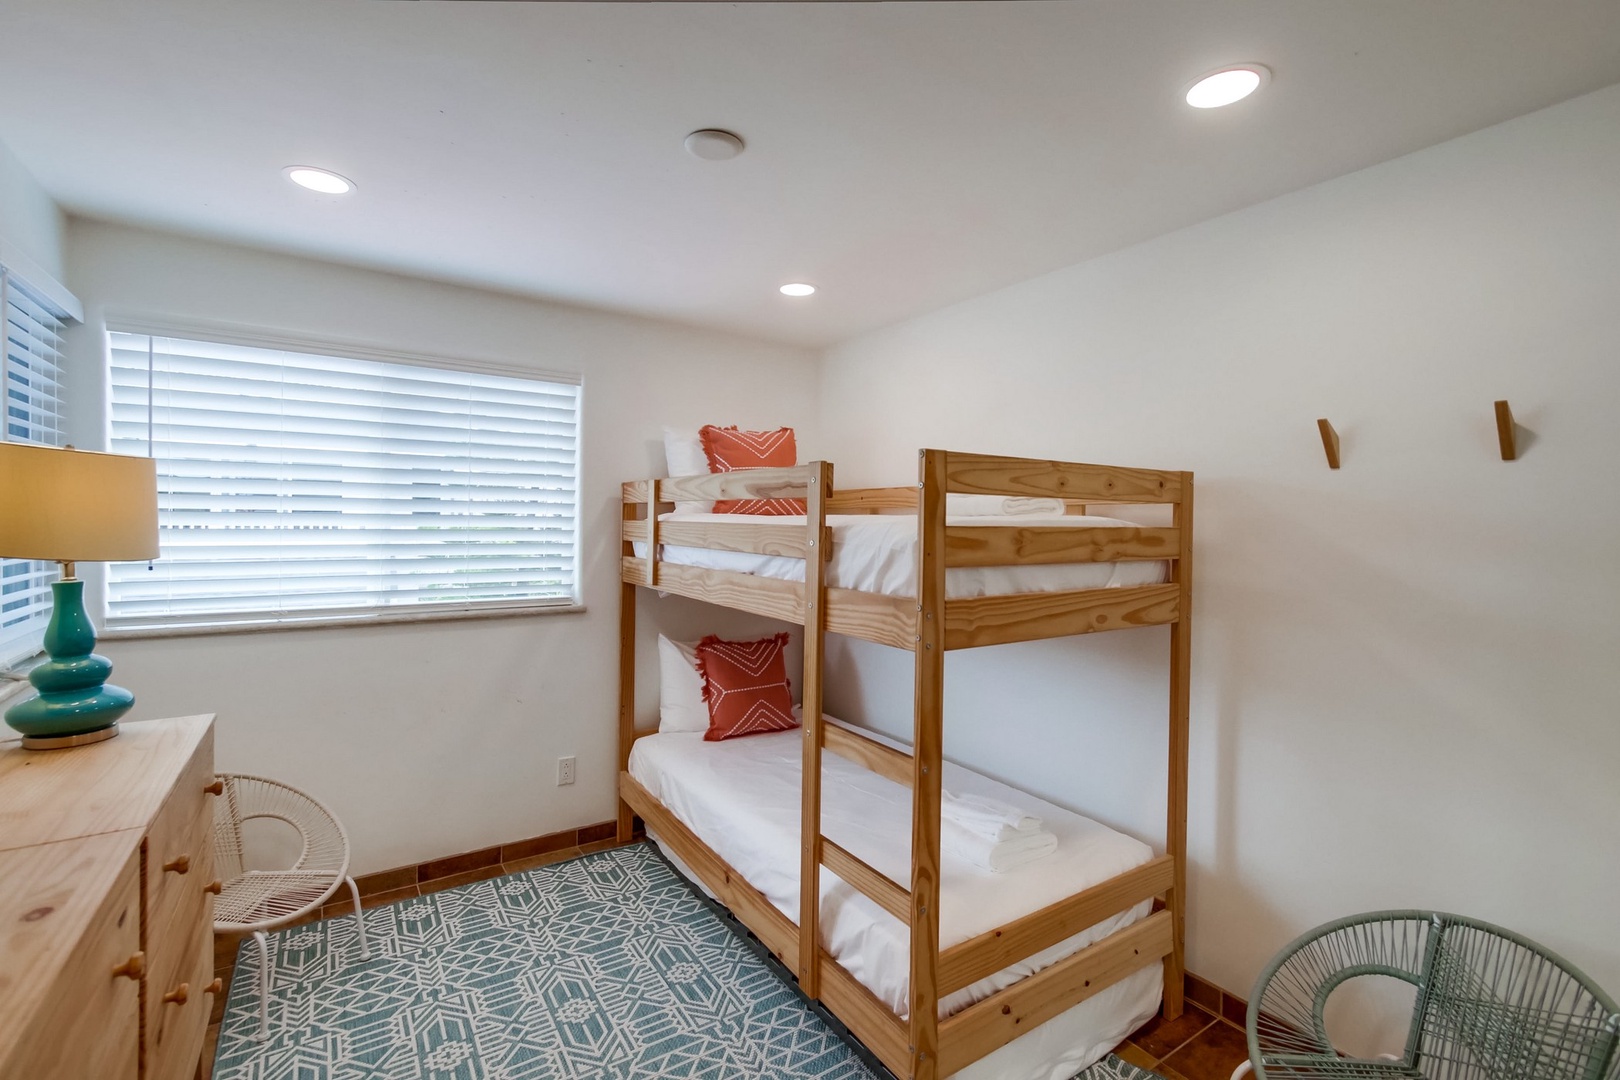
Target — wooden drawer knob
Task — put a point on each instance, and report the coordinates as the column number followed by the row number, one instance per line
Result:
column 179, row 865
column 214, row 887
column 178, row 995
column 133, row 968
column 214, row 987
column 216, row 788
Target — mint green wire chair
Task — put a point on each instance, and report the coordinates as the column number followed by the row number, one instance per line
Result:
column 1490, row 1005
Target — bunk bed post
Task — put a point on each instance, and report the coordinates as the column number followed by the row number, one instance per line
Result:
column 927, row 765
column 627, row 665
column 815, row 627
column 1176, row 809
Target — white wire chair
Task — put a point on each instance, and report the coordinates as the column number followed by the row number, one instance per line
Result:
column 252, row 901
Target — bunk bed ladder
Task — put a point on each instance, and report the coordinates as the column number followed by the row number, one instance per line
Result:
column 631, row 511
column 927, row 764
column 811, row 842
column 918, row 906
column 1176, row 782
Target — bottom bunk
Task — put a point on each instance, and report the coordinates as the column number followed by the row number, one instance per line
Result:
column 740, row 800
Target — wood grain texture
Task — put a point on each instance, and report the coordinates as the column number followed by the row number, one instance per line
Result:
column 635, row 491
column 887, row 620
column 812, row 537
column 786, row 540
column 70, row 914
column 1330, row 442
column 121, row 782
column 177, row 1012
column 927, row 766
column 990, row 952
column 793, row 483
column 859, row 875
column 995, row 620
column 625, row 824
column 873, row 1022
column 857, row 500
column 651, row 559
column 1013, row 545
column 986, row 1025
column 1507, row 435
column 1176, row 767
column 757, row 913
column 881, row 758
column 149, row 885
column 984, row 474
column 770, row 597
column 179, row 917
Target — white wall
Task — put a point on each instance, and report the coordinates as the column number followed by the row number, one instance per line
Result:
column 432, row 738
column 31, row 225
column 30, row 222
column 1406, row 689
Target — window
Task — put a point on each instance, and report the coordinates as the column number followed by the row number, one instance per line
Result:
column 30, row 380
column 295, row 486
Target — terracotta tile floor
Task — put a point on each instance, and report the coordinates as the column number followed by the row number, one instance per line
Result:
column 1198, row 1045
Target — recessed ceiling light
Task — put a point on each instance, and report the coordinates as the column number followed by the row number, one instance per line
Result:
column 321, row 180
column 797, row 288
column 714, row 144
column 1227, row 85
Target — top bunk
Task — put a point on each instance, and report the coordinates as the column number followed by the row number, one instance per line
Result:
column 887, row 559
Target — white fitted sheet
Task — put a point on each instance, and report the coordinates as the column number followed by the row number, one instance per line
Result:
column 741, row 797
column 877, row 553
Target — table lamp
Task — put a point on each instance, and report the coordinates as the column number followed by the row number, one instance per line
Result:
column 69, row 506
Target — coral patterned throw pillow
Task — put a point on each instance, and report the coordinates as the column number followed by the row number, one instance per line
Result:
column 746, row 686
column 730, row 450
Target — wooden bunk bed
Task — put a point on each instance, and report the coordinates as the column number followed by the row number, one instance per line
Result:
column 923, row 1046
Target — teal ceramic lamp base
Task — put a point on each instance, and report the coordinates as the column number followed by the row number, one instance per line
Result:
column 75, row 705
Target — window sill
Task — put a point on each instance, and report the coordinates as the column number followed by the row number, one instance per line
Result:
column 13, row 688
column 14, row 680
column 332, row 623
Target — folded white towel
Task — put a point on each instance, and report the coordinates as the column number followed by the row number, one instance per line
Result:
column 999, row 505
column 1000, row 857
column 988, row 819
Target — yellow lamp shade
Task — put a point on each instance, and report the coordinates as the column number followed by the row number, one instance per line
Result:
column 76, row 506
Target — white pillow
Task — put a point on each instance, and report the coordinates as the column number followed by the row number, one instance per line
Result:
column 680, row 688
column 684, row 456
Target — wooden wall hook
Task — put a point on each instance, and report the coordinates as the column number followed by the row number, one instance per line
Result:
column 1506, row 433
column 1330, row 442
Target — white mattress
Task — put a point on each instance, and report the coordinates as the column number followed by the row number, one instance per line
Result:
column 741, row 797
column 877, row 553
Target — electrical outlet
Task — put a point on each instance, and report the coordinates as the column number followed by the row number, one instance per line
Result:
column 565, row 771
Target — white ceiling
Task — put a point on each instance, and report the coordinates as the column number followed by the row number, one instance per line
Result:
column 901, row 156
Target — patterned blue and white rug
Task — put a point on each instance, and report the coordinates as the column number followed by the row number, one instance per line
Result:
column 607, row 967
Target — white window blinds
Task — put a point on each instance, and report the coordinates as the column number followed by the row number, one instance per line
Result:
column 294, row 486
column 31, row 382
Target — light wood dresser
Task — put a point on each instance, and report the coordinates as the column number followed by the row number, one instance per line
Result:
column 106, row 905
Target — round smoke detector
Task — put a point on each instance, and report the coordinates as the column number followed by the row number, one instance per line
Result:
column 713, row 144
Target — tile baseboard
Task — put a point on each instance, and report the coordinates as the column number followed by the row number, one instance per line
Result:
column 1223, row 1003
column 453, row 865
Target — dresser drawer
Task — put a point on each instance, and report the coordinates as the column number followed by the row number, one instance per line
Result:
column 93, row 931
column 177, row 1011
column 73, row 912
column 180, row 863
